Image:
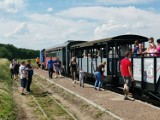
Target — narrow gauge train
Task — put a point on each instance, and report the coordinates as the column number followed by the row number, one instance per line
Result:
column 146, row 70
column 60, row 51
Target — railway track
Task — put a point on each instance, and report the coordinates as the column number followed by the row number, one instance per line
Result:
column 107, row 99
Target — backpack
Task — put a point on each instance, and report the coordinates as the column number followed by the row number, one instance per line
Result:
column 31, row 72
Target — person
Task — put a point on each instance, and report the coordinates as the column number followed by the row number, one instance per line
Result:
column 135, row 50
column 15, row 67
column 158, row 47
column 126, row 72
column 16, row 70
column 153, row 50
column 81, row 77
column 57, row 66
column 30, row 74
column 98, row 77
column 23, row 77
column 37, row 61
column 11, row 70
column 102, row 69
column 150, row 51
column 50, row 67
column 73, row 69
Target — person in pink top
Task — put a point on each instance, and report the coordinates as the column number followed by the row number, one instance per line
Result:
column 152, row 51
column 158, row 47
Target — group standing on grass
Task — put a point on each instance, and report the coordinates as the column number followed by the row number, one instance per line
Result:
column 25, row 72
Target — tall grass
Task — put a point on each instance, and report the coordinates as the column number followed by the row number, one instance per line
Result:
column 6, row 97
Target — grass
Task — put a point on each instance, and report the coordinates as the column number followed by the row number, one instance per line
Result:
column 51, row 108
column 6, row 99
column 33, row 61
column 94, row 112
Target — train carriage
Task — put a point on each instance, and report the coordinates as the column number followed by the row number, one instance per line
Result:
column 146, row 70
column 60, row 51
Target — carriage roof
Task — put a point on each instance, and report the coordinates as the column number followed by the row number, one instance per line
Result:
column 122, row 39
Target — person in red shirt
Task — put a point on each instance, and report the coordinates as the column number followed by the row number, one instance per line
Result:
column 126, row 71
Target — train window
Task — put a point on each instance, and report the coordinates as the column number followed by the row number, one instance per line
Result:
column 123, row 49
column 52, row 54
column 84, row 54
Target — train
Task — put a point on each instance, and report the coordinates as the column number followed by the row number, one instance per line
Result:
column 89, row 54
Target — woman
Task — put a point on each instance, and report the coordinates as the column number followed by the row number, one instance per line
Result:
column 73, row 68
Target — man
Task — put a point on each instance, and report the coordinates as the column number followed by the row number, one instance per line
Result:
column 30, row 74
column 126, row 71
column 23, row 77
column 57, row 65
column 37, row 61
column 50, row 67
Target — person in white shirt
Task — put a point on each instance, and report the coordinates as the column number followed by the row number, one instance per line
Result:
column 23, row 77
column 81, row 77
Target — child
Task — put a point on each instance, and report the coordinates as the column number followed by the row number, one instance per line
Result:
column 81, row 77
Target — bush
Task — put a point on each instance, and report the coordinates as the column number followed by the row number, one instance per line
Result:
column 6, row 97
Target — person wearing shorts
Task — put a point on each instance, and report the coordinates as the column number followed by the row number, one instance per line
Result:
column 23, row 77
column 126, row 72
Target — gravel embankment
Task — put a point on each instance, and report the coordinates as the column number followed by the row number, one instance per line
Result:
column 126, row 109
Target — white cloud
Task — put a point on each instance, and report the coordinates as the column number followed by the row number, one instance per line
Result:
column 12, row 6
column 80, row 23
column 49, row 9
column 117, row 20
column 20, row 30
column 118, row 2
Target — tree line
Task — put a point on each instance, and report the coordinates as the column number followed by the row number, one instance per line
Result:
column 10, row 52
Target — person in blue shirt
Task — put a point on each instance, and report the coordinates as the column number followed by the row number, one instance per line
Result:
column 135, row 50
column 30, row 74
column 50, row 67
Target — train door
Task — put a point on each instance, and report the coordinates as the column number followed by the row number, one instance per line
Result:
column 116, row 53
column 113, row 66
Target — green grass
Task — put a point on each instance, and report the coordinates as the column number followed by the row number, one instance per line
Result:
column 33, row 61
column 51, row 108
column 6, row 99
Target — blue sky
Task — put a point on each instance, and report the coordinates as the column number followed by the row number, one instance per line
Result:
column 38, row 24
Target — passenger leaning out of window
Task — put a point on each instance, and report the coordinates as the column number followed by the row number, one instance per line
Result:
column 151, row 50
column 158, row 47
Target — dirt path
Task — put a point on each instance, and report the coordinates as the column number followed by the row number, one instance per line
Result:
column 24, row 111
column 45, row 94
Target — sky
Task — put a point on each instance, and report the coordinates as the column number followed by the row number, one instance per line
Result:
column 38, row 24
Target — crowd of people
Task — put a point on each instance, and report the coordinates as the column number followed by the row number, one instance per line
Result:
column 152, row 49
column 25, row 71
column 54, row 65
